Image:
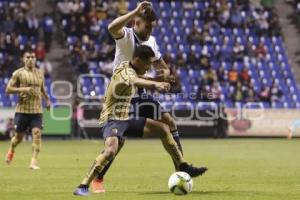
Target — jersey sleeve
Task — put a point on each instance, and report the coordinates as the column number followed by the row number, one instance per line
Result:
column 127, row 74
column 124, row 42
column 155, row 48
column 15, row 79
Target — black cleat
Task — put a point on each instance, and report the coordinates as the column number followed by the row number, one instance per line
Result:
column 192, row 171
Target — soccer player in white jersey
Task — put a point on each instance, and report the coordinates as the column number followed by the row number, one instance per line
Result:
column 126, row 40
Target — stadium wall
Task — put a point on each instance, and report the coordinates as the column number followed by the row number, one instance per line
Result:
column 55, row 122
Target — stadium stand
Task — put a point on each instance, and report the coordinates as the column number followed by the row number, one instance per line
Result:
column 224, row 48
column 20, row 29
column 230, row 49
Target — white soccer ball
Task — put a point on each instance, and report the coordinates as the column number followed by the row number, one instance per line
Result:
column 180, row 183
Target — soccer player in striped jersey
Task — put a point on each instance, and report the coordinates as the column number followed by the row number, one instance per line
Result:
column 117, row 124
column 127, row 39
column 28, row 83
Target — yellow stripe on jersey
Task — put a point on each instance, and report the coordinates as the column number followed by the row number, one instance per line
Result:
column 118, row 94
column 34, row 78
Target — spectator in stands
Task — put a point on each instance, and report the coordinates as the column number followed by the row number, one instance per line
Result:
column 236, row 19
column 204, row 59
column 22, row 25
column 205, row 37
column 93, row 54
column 225, row 53
column 47, row 26
column 65, row 8
column 275, row 29
column 244, row 76
column 107, row 51
column 238, row 51
column 8, row 24
column 107, row 67
column 260, row 51
column 238, row 94
column 224, row 15
column 122, row 7
column 215, row 92
column 94, row 28
column 46, row 67
column 82, row 26
column 249, row 52
column 192, row 59
column 211, row 76
column 210, row 14
column 262, row 23
column 40, row 51
column 71, row 28
column 265, row 94
column 83, row 67
column 250, row 95
column 176, row 85
column 9, row 66
column 195, row 36
column 100, row 10
column 75, row 6
column 222, row 74
column 180, row 61
column 276, row 93
column 233, row 75
column 33, row 25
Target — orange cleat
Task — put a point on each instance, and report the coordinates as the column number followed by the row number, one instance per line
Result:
column 98, row 186
column 9, row 157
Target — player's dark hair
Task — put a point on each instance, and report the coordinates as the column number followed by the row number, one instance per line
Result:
column 27, row 50
column 148, row 15
column 143, row 52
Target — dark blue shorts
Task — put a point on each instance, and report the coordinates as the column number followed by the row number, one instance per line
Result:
column 24, row 122
column 146, row 106
column 124, row 128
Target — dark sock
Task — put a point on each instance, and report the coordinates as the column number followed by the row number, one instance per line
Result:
column 104, row 170
column 83, row 186
column 175, row 135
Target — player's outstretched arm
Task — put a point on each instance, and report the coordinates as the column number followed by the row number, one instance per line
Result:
column 12, row 88
column 148, row 84
column 115, row 28
column 159, row 78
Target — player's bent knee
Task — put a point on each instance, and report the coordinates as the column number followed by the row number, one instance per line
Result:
column 19, row 137
column 168, row 119
column 36, row 132
column 163, row 129
column 110, row 153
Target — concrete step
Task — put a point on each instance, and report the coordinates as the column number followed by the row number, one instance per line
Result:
column 291, row 35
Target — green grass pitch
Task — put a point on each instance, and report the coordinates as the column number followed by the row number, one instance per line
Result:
column 239, row 169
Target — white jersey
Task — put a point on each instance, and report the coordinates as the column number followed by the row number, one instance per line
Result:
column 125, row 46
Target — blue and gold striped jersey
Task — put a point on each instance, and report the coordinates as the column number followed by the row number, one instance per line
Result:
column 34, row 78
column 118, row 94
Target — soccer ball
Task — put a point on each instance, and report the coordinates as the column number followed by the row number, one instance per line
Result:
column 180, row 183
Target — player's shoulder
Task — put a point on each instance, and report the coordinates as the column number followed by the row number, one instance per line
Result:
column 121, row 66
column 18, row 71
column 152, row 39
column 126, row 69
column 40, row 71
column 151, row 42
